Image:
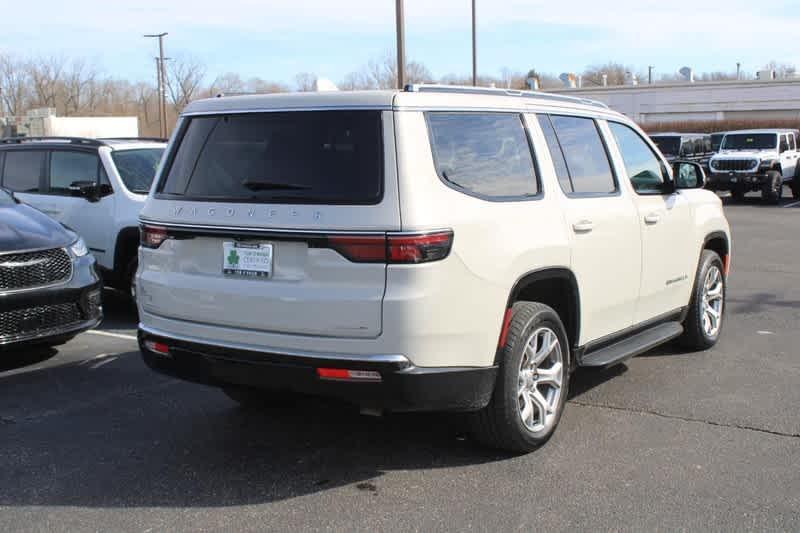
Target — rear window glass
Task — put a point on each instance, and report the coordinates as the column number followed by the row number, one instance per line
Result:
column 320, row 157
column 483, row 153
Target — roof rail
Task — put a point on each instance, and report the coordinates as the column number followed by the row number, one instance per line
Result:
column 71, row 140
column 146, row 139
column 433, row 88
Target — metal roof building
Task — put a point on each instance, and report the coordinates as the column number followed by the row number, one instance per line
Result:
column 722, row 100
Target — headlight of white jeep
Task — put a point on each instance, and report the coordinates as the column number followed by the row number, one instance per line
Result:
column 78, row 248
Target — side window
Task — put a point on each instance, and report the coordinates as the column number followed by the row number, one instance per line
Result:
column 554, row 147
column 644, row 168
column 584, row 154
column 784, row 144
column 792, row 142
column 23, row 170
column 67, row 168
column 487, row 154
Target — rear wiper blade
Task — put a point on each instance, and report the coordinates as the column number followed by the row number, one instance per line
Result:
column 272, row 186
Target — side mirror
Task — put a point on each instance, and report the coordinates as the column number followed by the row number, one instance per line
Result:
column 688, row 175
column 85, row 189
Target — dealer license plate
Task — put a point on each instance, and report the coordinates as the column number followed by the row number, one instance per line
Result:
column 247, row 260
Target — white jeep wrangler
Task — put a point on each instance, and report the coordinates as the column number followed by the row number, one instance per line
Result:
column 437, row 248
column 757, row 160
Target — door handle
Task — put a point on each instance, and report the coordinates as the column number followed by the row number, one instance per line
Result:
column 652, row 218
column 584, row 226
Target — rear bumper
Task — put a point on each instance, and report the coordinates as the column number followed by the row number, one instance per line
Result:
column 402, row 386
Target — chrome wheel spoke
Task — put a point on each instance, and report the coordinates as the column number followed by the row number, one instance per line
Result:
column 542, row 365
column 713, row 298
column 550, row 376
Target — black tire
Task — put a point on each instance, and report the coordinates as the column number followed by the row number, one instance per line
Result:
column 252, row 398
column 795, row 186
column 772, row 190
column 500, row 424
column 695, row 337
column 737, row 195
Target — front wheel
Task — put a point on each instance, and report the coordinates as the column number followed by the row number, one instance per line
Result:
column 703, row 323
column 772, row 190
column 532, row 382
column 795, row 186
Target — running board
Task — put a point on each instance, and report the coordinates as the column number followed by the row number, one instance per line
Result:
column 628, row 347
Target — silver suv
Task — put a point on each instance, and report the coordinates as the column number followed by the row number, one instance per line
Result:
column 436, row 248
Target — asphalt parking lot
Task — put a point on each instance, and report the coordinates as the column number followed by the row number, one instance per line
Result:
column 90, row 439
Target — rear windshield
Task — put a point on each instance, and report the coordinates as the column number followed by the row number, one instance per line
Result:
column 137, row 167
column 758, row 141
column 317, row 157
column 668, row 145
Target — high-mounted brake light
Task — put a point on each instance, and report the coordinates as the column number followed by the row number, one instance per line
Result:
column 403, row 248
column 152, row 236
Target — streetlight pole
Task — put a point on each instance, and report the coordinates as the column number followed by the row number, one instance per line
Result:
column 474, row 49
column 162, row 80
column 401, row 45
column 650, row 75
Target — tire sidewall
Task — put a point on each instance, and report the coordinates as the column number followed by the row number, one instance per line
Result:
column 513, row 354
column 709, row 259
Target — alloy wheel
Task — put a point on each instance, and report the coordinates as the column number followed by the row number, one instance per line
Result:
column 713, row 300
column 541, row 374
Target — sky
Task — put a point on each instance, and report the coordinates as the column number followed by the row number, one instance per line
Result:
column 275, row 39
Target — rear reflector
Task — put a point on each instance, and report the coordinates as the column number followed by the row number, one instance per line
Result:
column 152, row 236
column 394, row 248
column 157, row 347
column 343, row 374
column 726, row 264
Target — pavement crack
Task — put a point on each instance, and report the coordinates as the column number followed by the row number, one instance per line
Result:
column 687, row 419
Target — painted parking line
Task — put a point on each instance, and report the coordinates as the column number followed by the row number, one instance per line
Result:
column 793, row 204
column 112, row 334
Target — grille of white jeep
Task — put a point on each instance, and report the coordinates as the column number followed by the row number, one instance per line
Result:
column 734, row 164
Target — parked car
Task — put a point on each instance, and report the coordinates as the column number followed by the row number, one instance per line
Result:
column 757, row 160
column 95, row 186
column 716, row 140
column 437, row 248
column 49, row 290
column 685, row 146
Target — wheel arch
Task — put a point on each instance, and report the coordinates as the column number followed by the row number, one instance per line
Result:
column 126, row 248
column 555, row 287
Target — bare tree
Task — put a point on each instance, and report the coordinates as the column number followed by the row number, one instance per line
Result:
column 46, row 75
column 228, row 83
column 782, row 70
column 78, row 82
column 617, row 73
column 305, row 81
column 14, row 85
column 257, row 85
column 184, row 77
column 381, row 73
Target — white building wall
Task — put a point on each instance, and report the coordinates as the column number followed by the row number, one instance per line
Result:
column 778, row 99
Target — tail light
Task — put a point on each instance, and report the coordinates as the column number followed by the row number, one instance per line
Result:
column 152, row 236
column 394, row 248
column 342, row 374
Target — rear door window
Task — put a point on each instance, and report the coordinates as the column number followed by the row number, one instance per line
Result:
column 317, row 157
column 68, row 168
column 23, row 170
column 585, row 156
column 485, row 154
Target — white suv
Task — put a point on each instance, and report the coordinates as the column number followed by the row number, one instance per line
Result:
column 438, row 248
column 95, row 186
column 757, row 160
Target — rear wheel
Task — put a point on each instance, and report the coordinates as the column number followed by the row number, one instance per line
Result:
column 532, row 382
column 795, row 186
column 703, row 323
column 772, row 190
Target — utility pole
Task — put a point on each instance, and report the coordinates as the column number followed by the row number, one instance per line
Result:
column 650, row 74
column 474, row 49
column 401, row 45
column 162, row 81
column 738, row 70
